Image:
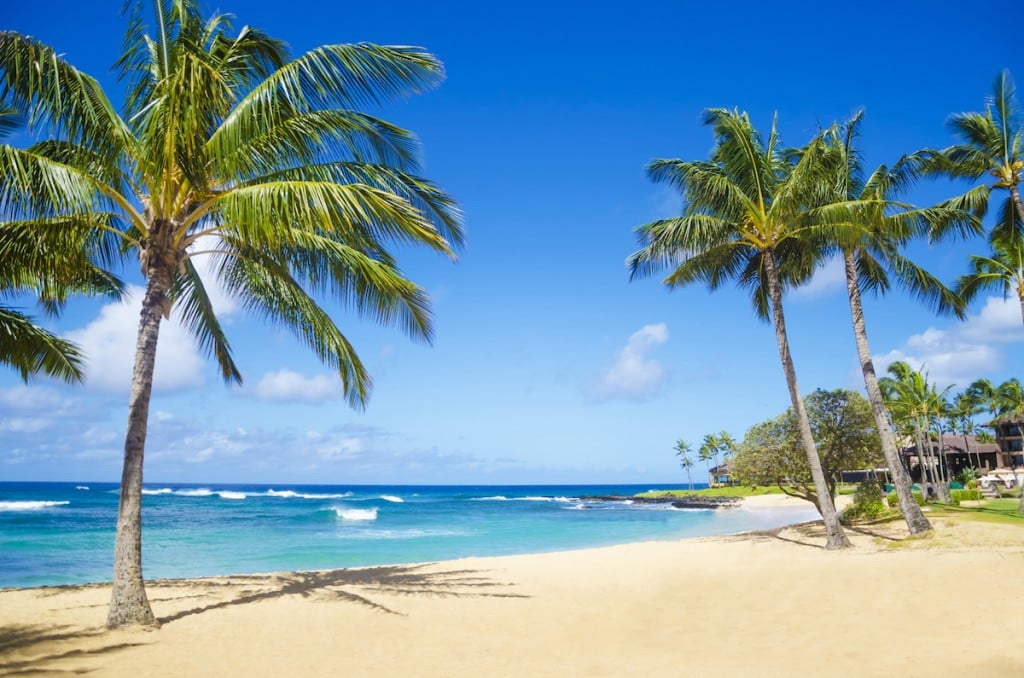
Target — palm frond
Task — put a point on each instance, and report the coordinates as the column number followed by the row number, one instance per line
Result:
column 30, row 349
column 197, row 314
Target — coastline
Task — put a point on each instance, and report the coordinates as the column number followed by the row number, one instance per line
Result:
column 756, row 602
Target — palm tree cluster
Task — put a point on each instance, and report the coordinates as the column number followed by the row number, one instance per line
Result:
column 767, row 217
column 922, row 412
column 714, row 446
column 227, row 149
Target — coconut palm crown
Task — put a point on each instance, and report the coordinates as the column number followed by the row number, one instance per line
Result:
column 231, row 150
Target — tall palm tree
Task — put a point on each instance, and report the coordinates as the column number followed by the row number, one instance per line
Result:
column 744, row 218
column 683, row 450
column 230, row 150
column 965, row 408
column 708, row 450
column 50, row 269
column 870, row 227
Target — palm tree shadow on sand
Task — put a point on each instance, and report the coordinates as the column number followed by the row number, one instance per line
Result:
column 353, row 586
column 48, row 649
column 812, row 534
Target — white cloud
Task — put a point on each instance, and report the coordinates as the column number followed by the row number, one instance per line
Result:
column 287, row 386
column 634, row 374
column 964, row 352
column 224, row 304
column 827, row 279
column 109, row 345
column 343, row 449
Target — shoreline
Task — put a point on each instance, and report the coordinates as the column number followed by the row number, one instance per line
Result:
column 755, row 503
column 756, row 602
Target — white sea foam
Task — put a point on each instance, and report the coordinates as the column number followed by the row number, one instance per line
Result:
column 226, row 494
column 30, row 505
column 291, row 494
column 412, row 533
column 81, row 487
column 162, row 490
column 392, row 498
column 355, row 514
column 496, row 498
column 202, row 492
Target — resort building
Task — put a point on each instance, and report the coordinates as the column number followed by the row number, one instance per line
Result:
column 1009, row 433
column 721, row 475
column 957, row 453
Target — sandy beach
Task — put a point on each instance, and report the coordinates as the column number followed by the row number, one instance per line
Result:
column 773, row 603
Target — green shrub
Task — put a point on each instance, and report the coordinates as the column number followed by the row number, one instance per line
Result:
column 894, row 500
column 972, row 485
column 867, row 502
column 965, row 495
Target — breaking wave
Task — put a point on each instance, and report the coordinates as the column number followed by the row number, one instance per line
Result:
column 30, row 505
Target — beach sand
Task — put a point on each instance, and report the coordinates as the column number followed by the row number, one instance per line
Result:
column 763, row 604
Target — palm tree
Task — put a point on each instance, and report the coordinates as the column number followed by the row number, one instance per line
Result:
column 913, row 400
column 870, row 228
column 992, row 144
column 1002, row 270
column 51, row 269
column 744, row 218
column 683, row 450
column 228, row 149
column 708, row 450
column 726, row 446
column 965, row 408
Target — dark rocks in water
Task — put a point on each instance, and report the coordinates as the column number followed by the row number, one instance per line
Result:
column 690, row 502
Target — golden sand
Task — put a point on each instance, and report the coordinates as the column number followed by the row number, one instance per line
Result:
column 763, row 604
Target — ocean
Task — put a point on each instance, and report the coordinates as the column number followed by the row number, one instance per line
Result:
column 63, row 533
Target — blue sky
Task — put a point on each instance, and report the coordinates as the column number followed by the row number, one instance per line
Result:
column 548, row 365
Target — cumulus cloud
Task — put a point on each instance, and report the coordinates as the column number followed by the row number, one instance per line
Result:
column 827, row 279
column 962, row 353
column 288, row 386
column 634, row 374
column 108, row 343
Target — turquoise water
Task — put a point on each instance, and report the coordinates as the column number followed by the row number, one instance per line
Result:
column 63, row 533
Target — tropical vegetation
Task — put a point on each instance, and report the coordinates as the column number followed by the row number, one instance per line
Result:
column 843, row 426
column 227, row 149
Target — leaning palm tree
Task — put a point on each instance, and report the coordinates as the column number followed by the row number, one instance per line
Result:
column 229, row 150
column 744, row 218
column 683, row 449
column 871, row 227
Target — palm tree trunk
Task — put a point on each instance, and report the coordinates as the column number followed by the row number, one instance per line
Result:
column 836, row 536
column 916, row 520
column 128, row 602
column 944, row 495
column 923, row 457
column 1017, row 202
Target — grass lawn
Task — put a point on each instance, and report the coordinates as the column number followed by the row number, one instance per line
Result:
column 993, row 511
column 732, row 491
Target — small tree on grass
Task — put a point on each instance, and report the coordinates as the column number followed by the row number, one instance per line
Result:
column 772, row 454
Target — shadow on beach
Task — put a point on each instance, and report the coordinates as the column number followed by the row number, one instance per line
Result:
column 359, row 586
column 32, row 649
column 812, row 534
column 48, row 648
